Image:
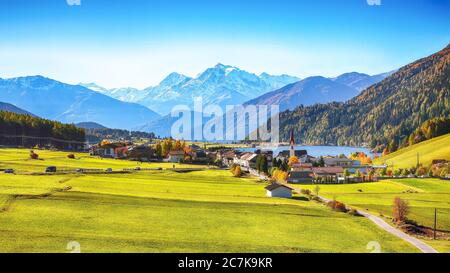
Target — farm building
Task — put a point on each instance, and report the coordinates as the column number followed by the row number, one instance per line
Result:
column 339, row 162
column 175, row 156
column 279, row 190
column 300, row 177
column 247, row 160
column 227, row 157
column 328, row 175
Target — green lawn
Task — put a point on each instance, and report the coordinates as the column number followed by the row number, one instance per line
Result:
column 436, row 148
column 378, row 197
column 164, row 211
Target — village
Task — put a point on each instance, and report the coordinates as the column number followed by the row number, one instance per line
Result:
column 293, row 166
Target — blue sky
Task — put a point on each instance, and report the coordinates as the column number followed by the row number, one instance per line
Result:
column 137, row 43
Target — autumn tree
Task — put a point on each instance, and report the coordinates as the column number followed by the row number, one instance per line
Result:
column 158, row 150
column 280, row 176
column 237, row 172
column 293, row 160
column 400, row 209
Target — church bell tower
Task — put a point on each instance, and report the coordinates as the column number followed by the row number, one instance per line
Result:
column 292, row 142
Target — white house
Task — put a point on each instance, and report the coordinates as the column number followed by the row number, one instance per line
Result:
column 175, row 156
column 279, row 190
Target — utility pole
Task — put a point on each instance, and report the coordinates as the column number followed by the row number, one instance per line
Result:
column 417, row 164
column 435, row 222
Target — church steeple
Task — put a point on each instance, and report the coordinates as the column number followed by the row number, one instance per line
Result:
column 292, row 142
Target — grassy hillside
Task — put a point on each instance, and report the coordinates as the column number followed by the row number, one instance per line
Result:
column 378, row 197
column 164, row 211
column 436, row 148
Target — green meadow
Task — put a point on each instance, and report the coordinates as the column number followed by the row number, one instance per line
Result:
column 19, row 160
column 423, row 196
column 164, row 211
column 436, row 148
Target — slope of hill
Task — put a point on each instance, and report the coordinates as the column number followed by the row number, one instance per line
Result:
column 360, row 81
column 436, row 148
column 54, row 100
column 28, row 131
column 391, row 109
column 11, row 108
column 90, row 125
column 306, row 92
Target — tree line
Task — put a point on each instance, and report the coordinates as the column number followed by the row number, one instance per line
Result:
column 29, row 131
column 429, row 129
column 98, row 134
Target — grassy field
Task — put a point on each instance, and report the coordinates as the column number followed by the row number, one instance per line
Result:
column 436, row 148
column 423, row 195
column 19, row 160
column 165, row 211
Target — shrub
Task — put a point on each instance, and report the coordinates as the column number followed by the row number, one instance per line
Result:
column 400, row 209
column 33, row 155
column 71, row 156
column 421, row 171
column 305, row 191
column 237, row 171
column 353, row 212
column 405, row 172
column 337, row 206
column 280, row 176
column 272, row 170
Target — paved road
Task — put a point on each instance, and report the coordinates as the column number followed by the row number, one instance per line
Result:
column 415, row 242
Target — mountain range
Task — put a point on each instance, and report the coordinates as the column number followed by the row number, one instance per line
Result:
column 67, row 103
column 309, row 91
column 131, row 108
column 386, row 111
column 221, row 85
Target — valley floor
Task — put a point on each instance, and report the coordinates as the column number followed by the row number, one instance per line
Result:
column 165, row 211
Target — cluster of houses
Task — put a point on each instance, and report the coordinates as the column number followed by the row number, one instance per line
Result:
column 145, row 153
column 306, row 171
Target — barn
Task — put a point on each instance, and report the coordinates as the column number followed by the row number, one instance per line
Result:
column 279, row 190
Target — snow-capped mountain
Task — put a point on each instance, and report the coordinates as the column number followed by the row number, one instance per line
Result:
column 221, row 84
column 67, row 103
column 127, row 94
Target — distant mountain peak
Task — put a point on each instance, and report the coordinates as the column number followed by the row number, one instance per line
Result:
column 173, row 79
column 223, row 66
